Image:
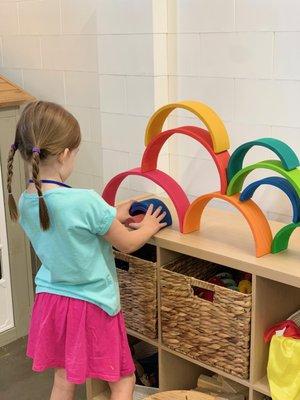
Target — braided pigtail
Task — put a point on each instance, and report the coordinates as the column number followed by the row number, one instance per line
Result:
column 43, row 211
column 13, row 210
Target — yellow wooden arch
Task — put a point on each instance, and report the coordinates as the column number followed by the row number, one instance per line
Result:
column 212, row 121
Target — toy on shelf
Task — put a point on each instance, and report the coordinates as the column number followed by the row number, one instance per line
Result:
column 282, row 237
column 284, row 359
column 141, row 207
column 236, row 183
column 254, row 216
column 151, row 153
column 175, row 192
column 280, row 183
column 231, row 172
column 208, row 116
column 286, row 155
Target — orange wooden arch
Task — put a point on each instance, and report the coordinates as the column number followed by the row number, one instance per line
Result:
column 257, row 222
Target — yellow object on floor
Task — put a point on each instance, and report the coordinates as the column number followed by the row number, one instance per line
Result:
column 181, row 395
column 284, row 368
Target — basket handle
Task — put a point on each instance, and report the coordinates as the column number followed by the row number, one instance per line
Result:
column 122, row 264
column 201, row 284
column 208, row 293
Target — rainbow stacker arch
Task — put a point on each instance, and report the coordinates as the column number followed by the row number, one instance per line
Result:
column 231, row 172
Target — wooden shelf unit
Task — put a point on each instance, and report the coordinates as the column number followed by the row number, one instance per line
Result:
column 226, row 239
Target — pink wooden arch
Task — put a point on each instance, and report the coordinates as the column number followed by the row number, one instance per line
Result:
column 150, row 157
column 167, row 183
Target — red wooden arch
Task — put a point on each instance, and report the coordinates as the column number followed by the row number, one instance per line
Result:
column 151, row 153
column 167, row 183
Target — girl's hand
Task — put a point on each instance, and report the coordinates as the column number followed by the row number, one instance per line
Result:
column 123, row 211
column 152, row 220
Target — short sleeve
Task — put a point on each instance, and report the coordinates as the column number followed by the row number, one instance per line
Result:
column 100, row 215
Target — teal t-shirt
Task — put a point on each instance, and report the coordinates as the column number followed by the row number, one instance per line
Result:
column 76, row 260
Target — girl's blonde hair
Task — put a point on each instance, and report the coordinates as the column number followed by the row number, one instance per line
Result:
column 44, row 129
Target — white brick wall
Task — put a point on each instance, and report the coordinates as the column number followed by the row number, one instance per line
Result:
column 112, row 63
column 241, row 57
column 98, row 58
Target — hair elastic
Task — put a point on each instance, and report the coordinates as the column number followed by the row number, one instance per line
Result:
column 36, row 150
column 14, row 146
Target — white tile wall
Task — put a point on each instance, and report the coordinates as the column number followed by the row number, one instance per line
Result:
column 271, row 102
column 267, row 15
column 115, row 132
column 119, row 16
column 139, row 183
column 290, row 135
column 118, row 54
column 184, row 54
column 112, row 93
column 160, row 58
column 70, row 53
column 89, row 159
column 9, row 19
column 243, row 55
column 242, row 132
column 90, row 123
column 242, row 60
column 114, row 163
column 44, row 13
column 21, row 51
column 85, row 181
column 204, row 178
column 46, row 85
column 140, row 95
column 111, row 63
column 208, row 90
column 124, row 132
column 204, row 15
column 12, row 74
column 82, row 89
column 79, row 17
column 287, row 55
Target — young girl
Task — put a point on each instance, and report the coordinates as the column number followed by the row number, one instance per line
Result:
column 76, row 325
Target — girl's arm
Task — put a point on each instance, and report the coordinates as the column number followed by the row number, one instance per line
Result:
column 123, row 211
column 129, row 241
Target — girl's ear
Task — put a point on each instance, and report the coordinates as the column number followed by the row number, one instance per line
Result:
column 64, row 155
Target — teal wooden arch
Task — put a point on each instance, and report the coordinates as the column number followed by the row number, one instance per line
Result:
column 286, row 154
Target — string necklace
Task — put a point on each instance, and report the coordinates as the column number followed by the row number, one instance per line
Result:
column 53, row 182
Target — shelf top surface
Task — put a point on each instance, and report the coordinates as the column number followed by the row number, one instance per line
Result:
column 11, row 94
column 225, row 238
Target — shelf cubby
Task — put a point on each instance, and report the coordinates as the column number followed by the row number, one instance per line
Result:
column 275, row 296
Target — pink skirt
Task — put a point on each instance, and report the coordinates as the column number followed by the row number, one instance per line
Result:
column 80, row 337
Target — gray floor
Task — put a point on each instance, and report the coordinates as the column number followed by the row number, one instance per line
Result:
column 19, row 382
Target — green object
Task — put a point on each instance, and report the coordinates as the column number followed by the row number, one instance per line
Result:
column 236, row 183
column 285, row 153
column 282, row 237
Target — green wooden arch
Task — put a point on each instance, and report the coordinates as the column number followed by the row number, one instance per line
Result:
column 282, row 237
column 236, row 183
column 286, row 154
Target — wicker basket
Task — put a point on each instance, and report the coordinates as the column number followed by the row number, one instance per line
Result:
column 216, row 333
column 138, row 291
